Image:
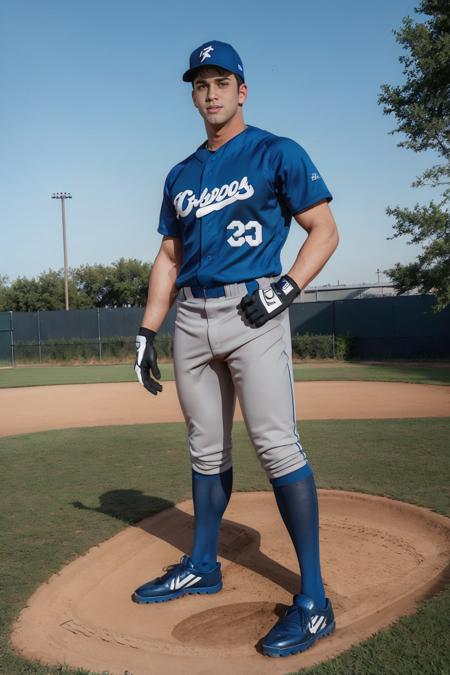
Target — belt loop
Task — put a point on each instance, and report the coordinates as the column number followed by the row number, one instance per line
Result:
column 242, row 288
column 187, row 293
column 231, row 290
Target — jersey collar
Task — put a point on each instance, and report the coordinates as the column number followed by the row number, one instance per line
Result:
column 203, row 154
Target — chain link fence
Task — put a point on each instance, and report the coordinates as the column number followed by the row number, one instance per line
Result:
column 368, row 328
column 6, row 355
column 81, row 335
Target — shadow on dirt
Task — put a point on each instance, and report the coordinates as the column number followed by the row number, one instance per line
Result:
column 162, row 519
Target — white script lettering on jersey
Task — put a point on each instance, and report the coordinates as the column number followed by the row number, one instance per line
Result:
column 217, row 199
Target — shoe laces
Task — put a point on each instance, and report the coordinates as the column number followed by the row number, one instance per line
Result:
column 303, row 615
column 182, row 561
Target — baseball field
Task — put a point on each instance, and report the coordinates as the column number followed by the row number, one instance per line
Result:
column 95, row 500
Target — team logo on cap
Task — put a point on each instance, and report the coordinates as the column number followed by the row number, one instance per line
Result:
column 206, row 53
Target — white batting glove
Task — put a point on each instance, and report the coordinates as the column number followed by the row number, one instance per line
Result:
column 146, row 361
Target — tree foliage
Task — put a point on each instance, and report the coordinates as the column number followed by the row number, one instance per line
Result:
column 4, row 281
column 124, row 283
column 421, row 106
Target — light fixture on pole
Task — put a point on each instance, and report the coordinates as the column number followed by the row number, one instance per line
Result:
column 63, row 196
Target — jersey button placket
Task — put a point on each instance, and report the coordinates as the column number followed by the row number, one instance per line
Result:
column 204, row 275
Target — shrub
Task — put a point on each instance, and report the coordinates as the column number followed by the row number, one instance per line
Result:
column 321, row 346
column 121, row 349
column 345, row 347
column 312, row 346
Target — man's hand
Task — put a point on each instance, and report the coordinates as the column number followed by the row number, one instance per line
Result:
column 266, row 303
column 146, row 360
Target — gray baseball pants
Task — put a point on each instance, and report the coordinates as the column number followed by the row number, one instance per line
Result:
column 216, row 357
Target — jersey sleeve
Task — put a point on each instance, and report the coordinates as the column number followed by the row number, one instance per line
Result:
column 298, row 182
column 168, row 221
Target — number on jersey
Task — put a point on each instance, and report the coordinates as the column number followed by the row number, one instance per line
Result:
column 245, row 233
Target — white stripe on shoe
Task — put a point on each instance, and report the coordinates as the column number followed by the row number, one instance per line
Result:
column 176, row 583
column 316, row 623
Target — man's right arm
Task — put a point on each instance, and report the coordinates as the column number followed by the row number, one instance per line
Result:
column 162, row 291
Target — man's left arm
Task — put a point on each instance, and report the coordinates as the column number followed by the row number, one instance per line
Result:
column 320, row 244
column 318, row 248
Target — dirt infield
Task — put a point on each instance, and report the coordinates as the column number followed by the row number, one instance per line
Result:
column 26, row 410
column 379, row 558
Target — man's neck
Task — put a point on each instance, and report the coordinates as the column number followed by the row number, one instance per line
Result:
column 217, row 136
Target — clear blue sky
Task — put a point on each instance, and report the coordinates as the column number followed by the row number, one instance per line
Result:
column 93, row 104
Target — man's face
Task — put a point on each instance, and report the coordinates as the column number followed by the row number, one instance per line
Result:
column 217, row 96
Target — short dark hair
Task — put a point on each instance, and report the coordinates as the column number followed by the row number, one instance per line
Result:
column 223, row 72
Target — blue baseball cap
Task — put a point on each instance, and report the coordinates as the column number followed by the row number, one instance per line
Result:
column 214, row 53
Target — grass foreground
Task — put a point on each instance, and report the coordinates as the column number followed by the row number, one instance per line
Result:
column 419, row 373
column 67, row 490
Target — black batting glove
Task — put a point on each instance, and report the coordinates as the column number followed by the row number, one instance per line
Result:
column 146, row 360
column 266, row 303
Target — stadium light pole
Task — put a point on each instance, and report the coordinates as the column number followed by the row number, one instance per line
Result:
column 63, row 196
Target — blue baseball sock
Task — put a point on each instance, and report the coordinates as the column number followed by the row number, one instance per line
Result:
column 296, row 497
column 211, row 495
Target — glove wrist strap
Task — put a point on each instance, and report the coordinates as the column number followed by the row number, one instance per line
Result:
column 147, row 333
column 293, row 283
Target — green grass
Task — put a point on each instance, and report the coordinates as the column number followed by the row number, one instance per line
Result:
column 29, row 376
column 32, row 376
column 385, row 372
column 64, row 491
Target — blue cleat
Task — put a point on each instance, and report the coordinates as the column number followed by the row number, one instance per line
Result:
column 299, row 628
column 180, row 579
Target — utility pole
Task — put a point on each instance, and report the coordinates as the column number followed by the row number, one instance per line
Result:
column 63, row 196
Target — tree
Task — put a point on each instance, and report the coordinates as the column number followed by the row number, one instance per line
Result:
column 43, row 293
column 128, row 283
column 23, row 295
column 422, row 108
column 124, row 283
column 93, row 281
column 4, row 281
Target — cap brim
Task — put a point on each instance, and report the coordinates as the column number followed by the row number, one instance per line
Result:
column 189, row 74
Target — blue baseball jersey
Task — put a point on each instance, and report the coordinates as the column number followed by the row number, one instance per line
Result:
column 232, row 208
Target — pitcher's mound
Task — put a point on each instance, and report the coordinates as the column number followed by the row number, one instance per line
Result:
column 378, row 556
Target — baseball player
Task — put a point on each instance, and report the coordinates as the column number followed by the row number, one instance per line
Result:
column 225, row 216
